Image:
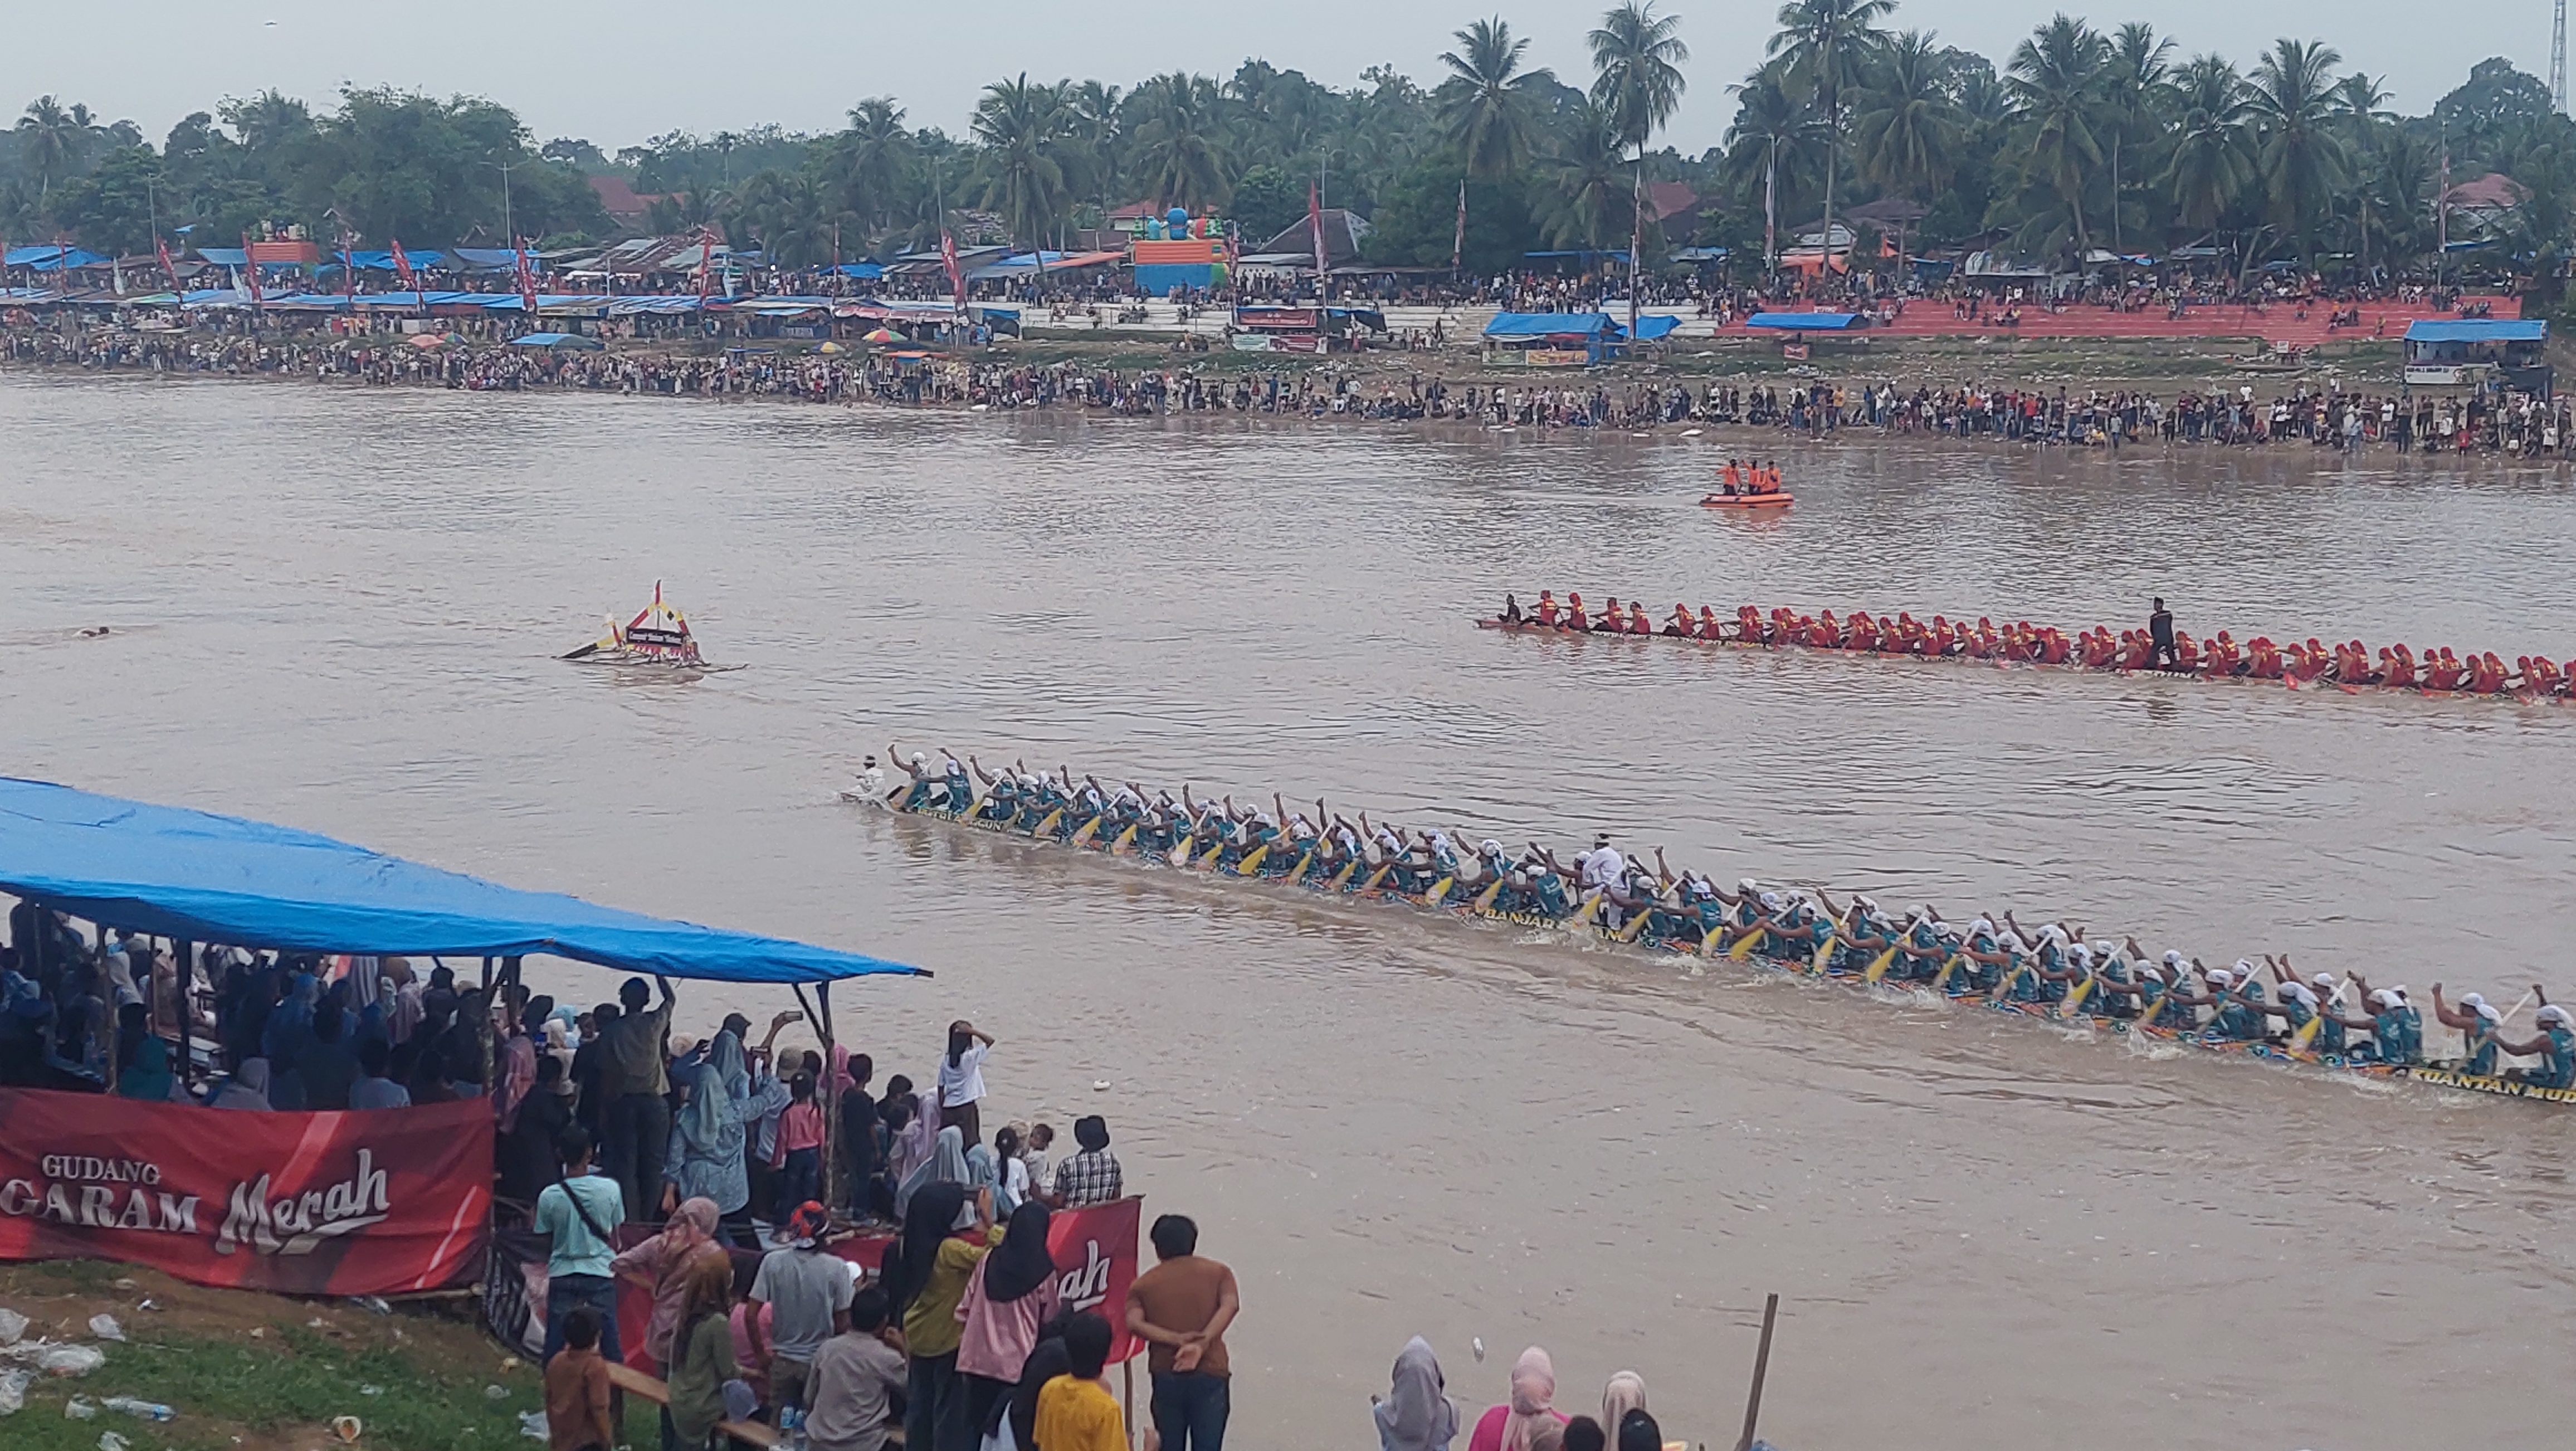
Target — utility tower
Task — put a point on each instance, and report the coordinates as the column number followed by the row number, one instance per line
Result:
column 2558, row 60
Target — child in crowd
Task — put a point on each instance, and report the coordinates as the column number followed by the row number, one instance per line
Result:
column 577, row 1389
column 800, row 1140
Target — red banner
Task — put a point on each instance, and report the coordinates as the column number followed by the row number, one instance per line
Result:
column 297, row 1203
column 1095, row 1261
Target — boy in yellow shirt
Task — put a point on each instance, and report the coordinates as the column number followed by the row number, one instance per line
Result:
column 1075, row 1411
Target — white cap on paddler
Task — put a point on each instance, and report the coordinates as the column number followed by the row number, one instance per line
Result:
column 2477, row 1003
column 2552, row 1014
column 2221, row 977
column 2173, row 959
column 2300, row 993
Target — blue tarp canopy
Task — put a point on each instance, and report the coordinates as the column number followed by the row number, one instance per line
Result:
column 1550, row 325
column 864, row 271
column 1655, row 325
column 384, row 261
column 48, row 259
column 2477, row 330
column 557, row 340
column 1805, row 322
column 487, row 259
column 186, row 874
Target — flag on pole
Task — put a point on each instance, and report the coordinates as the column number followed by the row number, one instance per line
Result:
column 402, row 266
column 1458, row 243
column 527, row 279
column 250, row 271
column 163, row 248
column 706, row 266
column 1315, row 229
column 956, row 275
column 348, row 266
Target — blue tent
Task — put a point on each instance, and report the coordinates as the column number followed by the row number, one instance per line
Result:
column 1550, row 325
column 863, row 271
column 1806, row 322
column 177, row 873
column 49, row 259
column 384, row 261
column 2477, row 330
column 574, row 341
column 1655, row 325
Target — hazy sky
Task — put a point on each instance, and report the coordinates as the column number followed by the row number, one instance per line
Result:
column 617, row 73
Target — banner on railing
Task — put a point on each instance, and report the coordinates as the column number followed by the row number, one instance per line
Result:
column 296, row 1203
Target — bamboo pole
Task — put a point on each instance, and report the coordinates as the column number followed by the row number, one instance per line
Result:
column 1761, row 1368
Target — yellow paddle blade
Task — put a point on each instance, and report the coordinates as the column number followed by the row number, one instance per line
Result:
column 1052, row 818
column 1439, row 889
column 1485, row 899
column 1083, row 837
column 1636, row 924
column 1125, row 840
column 1744, row 946
column 1251, row 862
column 1303, row 862
column 1208, row 859
column 1588, row 909
column 1181, row 851
column 1344, row 875
column 1941, row 979
column 1824, row 955
column 1878, row 967
column 2307, row 1033
column 1376, row 877
column 2075, row 997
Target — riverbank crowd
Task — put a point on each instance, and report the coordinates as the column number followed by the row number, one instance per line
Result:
column 2517, row 425
column 2048, row 969
column 692, row 1167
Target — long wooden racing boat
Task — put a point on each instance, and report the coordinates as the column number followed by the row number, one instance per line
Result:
column 1665, row 632
column 1589, row 921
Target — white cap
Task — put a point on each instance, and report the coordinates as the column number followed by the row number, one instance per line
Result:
column 918, row 758
column 2483, row 1010
column 2380, row 997
column 2104, row 949
column 2325, row 982
column 2082, row 954
column 1487, row 845
column 1770, row 901
column 2300, row 992
column 2221, row 977
column 1746, row 884
column 2552, row 1013
column 2173, row 959
column 2244, row 967
column 1867, row 903
column 2011, row 941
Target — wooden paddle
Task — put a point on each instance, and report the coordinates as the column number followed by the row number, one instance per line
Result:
column 1251, row 862
column 1637, row 924
column 1878, row 966
column 1343, row 876
column 1376, row 877
column 1083, row 836
column 1941, row 979
column 1439, row 889
column 1048, row 823
column 1744, row 945
column 2075, row 995
column 1125, row 839
column 1485, row 899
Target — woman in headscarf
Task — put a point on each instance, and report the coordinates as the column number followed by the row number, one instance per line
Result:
column 914, row 1142
column 290, row 1023
column 1011, row 1294
column 1513, row 1425
column 247, row 1088
column 984, row 1176
column 1626, row 1392
column 519, row 1064
column 702, row 1359
column 925, row 1278
column 707, row 1138
column 404, row 1013
column 666, row 1263
column 1417, row 1413
column 1015, row 1429
column 147, row 1074
column 1638, row 1432
column 946, row 1164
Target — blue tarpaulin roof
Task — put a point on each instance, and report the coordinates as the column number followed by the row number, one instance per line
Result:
column 177, row 873
column 864, row 271
column 1651, row 326
column 1549, row 325
column 384, row 261
column 2477, row 330
column 1805, row 322
column 46, row 259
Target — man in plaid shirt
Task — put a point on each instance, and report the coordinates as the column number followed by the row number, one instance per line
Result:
column 1091, row 1176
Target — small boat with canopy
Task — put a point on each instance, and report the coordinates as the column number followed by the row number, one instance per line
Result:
column 657, row 636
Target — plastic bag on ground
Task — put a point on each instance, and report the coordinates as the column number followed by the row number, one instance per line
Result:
column 12, row 1325
column 70, row 1359
column 110, row 1441
column 104, row 1326
column 148, row 1410
column 13, row 1390
column 532, row 1424
column 80, row 1408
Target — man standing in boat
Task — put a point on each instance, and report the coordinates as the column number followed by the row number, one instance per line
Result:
column 2160, row 637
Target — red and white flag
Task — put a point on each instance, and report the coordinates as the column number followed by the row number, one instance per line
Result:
column 956, row 275
column 527, row 280
column 163, row 248
column 250, row 270
column 402, row 266
column 706, row 267
column 1315, row 228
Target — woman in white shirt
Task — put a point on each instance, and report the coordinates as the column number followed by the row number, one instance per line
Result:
column 961, row 1080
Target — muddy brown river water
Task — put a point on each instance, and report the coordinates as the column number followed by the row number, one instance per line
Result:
column 337, row 609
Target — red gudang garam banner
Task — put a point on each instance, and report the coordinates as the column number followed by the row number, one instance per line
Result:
column 297, row 1203
column 1095, row 1261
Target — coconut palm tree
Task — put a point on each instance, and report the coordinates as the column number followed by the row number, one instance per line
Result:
column 1579, row 204
column 1829, row 46
column 2056, row 80
column 2131, row 84
column 1023, row 129
column 2211, row 156
column 1906, row 128
column 2297, row 154
column 874, row 153
column 1097, row 124
column 54, row 141
column 1775, row 142
column 1180, row 156
column 1637, row 84
column 1487, row 106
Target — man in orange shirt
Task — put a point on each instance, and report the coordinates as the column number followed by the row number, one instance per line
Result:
column 1180, row 1308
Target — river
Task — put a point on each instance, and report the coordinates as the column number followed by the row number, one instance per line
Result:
column 337, row 609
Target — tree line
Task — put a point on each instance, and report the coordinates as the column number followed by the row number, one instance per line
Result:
column 2083, row 139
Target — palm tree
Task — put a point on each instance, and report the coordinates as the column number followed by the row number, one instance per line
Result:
column 2136, row 76
column 1906, row 129
column 2299, row 157
column 2212, row 158
column 1637, row 84
column 1097, row 124
column 2056, row 84
column 1023, row 128
column 2357, row 102
column 874, row 152
column 1829, row 46
column 1579, row 204
column 54, row 140
column 1179, row 158
column 1769, row 141
column 1486, row 104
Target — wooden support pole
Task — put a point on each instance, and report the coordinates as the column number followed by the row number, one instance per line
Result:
column 1761, row 1368
column 831, row 1097
column 185, row 952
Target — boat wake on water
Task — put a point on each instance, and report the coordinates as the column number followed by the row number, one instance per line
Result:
column 2347, row 667
column 2080, row 984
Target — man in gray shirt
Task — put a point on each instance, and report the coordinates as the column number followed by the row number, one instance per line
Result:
column 808, row 1294
column 853, row 1373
